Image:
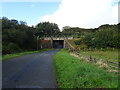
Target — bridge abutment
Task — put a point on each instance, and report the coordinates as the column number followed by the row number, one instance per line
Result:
column 55, row 42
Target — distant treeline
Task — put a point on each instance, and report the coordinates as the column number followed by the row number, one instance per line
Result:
column 105, row 36
column 17, row 36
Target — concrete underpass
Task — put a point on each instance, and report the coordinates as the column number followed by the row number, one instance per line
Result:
column 58, row 43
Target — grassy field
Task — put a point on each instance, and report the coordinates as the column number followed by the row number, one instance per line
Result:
column 106, row 55
column 111, row 55
column 9, row 56
column 74, row 73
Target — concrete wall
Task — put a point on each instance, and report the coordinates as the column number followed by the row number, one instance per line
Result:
column 68, row 45
column 45, row 44
column 49, row 44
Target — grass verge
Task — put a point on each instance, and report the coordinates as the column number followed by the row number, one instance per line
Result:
column 74, row 73
column 106, row 55
column 109, row 55
column 9, row 56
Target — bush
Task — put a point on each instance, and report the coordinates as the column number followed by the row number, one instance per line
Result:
column 104, row 38
column 4, row 49
column 83, row 46
column 11, row 48
column 77, row 42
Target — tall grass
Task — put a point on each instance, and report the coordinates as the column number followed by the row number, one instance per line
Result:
column 74, row 73
column 111, row 55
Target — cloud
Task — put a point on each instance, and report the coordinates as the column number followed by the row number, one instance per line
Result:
column 84, row 13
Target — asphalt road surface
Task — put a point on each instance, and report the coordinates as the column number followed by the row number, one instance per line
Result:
column 30, row 71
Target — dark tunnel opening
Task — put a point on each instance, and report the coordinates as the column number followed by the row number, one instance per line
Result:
column 58, row 43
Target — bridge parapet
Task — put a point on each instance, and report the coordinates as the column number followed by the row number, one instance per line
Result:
column 47, row 38
column 58, row 38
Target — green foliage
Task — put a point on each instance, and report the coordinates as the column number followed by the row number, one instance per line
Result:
column 110, row 55
column 104, row 38
column 17, row 37
column 25, row 37
column 47, row 29
column 83, row 46
column 74, row 73
column 76, row 31
column 77, row 42
column 11, row 48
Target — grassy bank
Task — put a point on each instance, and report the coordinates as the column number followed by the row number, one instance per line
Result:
column 74, row 73
column 9, row 56
column 106, row 55
column 110, row 54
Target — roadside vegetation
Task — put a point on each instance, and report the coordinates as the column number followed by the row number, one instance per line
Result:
column 110, row 55
column 72, row 72
column 18, row 37
column 105, row 37
column 103, row 43
column 9, row 56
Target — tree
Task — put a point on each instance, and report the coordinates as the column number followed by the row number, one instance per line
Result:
column 23, row 22
column 76, row 31
column 5, row 23
column 17, row 37
column 106, row 37
column 47, row 29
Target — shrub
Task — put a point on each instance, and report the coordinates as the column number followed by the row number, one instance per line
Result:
column 10, row 48
column 83, row 46
column 104, row 38
column 77, row 42
column 4, row 49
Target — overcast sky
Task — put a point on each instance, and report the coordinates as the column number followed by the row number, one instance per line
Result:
column 74, row 13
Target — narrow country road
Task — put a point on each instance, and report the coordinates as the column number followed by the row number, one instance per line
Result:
column 30, row 71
